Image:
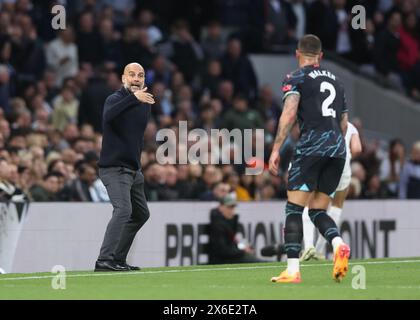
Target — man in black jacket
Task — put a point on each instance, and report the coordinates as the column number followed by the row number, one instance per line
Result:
column 125, row 116
column 224, row 246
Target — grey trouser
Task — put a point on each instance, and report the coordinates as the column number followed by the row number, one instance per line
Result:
column 126, row 192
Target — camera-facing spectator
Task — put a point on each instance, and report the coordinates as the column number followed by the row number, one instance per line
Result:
column 83, row 188
column 47, row 189
column 219, row 191
column 8, row 183
column 66, row 107
column 409, row 185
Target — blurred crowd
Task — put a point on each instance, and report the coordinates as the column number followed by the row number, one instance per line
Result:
column 53, row 84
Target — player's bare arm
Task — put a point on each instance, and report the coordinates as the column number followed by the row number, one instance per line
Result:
column 343, row 122
column 355, row 145
column 286, row 122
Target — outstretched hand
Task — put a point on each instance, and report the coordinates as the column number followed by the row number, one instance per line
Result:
column 143, row 96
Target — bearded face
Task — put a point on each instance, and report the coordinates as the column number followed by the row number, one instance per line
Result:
column 133, row 78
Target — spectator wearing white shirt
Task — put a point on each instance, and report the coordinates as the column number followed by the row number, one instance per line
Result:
column 62, row 55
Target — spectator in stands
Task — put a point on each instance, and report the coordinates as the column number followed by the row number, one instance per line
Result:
column 238, row 68
column 24, row 179
column 207, row 119
column 27, row 50
column 234, row 182
column 161, row 71
column 122, row 9
column 241, row 117
column 49, row 81
column 5, row 89
column 375, row 189
column 62, row 55
column 5, row 129
column 66, row 108
column 47, row 189
column 88, row 40
column 225, row 95
column 267, row 192
column 171, row 191
column 299, row 9
column 39, row 103
column 224, row 244
column 8, row 179
column 219, row 190
column 212, row 78
column 83, row 188
column 185, row 184
column 409, row 50
column 110, row 44
column 342, row 20
column 409, row 185
column 213, row 43
column 363, row 44
column 211, row 176
column 163, row 105
column 183, row 50
column 358, row 171
column 146, row 20
column 386, row 49
column 279, row 24
column 267, row 105
column 154, row 181
column 320, row 22
column 392, row 165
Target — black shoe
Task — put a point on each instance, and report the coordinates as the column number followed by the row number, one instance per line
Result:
column 102, row 266
column 131, row 268
column 269, row 251
column 273, row 250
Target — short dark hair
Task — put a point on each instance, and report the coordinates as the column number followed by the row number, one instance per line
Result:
column 310, row 45
column 56, row 174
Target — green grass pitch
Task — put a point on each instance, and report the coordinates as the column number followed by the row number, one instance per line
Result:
column 385, row 279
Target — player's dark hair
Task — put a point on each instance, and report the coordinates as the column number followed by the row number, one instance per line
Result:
column 310, row 45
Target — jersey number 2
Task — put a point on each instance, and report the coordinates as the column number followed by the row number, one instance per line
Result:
column 326, row 110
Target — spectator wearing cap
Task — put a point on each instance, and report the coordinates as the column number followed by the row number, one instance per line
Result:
column 224, row 244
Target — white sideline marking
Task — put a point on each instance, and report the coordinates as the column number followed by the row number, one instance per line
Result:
column 100, row 274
